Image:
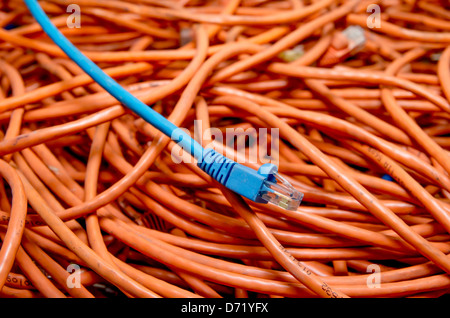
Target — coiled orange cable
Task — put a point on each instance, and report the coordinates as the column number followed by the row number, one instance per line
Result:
column 362, row 131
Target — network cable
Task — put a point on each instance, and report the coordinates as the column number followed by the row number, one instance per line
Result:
column 262, row 186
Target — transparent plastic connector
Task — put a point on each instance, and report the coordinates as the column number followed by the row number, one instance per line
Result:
column 277, row 190
column 356, row 38
column 344, row 44
column 282, row 193
column 292, row 54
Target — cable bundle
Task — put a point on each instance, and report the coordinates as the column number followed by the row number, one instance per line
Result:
column 358, row 114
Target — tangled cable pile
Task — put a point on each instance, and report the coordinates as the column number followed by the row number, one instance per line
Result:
column 360, row 106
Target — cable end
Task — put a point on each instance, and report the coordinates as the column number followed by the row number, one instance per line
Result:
column 277, row 190
column 262, row 186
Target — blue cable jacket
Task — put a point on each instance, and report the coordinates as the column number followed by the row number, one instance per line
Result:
column 236, row 177
column 112, row 87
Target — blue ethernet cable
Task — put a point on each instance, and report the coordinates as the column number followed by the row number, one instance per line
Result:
column 110, row 85
column 262, row 186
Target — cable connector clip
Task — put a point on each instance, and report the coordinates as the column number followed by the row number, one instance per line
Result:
column 344, row 44
column 262, row 186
